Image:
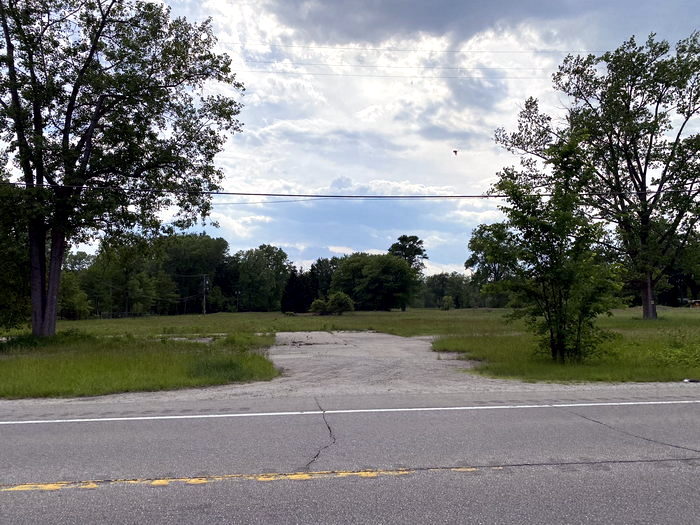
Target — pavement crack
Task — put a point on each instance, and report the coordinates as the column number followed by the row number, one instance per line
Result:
column 331, row 436
column 632, row 434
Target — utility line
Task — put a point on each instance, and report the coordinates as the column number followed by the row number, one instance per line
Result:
column 360, row 75
column 414, row 50
column 322, row 196
column 379, row 66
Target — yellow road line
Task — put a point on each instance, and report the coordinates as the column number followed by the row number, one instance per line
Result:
column 201, row 480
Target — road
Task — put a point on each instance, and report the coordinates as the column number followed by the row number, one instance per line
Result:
column 513, row 454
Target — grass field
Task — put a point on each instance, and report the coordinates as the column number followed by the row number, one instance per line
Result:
column 667, row 349
column 102, row 356
column 409, row 323
column 80, row 364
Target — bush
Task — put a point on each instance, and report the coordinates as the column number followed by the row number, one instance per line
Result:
column 319, row 307
column 447, row 303
column 339, row 302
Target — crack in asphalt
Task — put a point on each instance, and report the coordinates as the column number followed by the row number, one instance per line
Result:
column 631, row 434
column 331, row 436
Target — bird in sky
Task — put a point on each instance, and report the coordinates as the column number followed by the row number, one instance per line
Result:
column 455, row 152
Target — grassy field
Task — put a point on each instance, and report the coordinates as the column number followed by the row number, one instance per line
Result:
column 667, row 349
column 103, row 356
column 80, row 364
column 409, row 323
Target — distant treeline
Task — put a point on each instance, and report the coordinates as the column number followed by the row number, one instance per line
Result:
column 185, row 274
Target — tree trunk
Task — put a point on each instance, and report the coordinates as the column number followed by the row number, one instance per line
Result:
column 37, row 275
column 45, row 285
column 648, row 303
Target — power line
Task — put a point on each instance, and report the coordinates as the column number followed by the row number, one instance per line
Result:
column 414, row 50
column 214, row 203
column 426, row 77
column 379, row 66
column 324, row 196
column 300, row 196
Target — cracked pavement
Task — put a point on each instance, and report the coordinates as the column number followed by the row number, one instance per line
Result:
column 360, row 428
column 331, row 437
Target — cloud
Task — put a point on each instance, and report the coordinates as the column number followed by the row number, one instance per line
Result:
column 367, row 21
column 242, row 227
column 357, row 98
column 432, row 268
column 340, row 250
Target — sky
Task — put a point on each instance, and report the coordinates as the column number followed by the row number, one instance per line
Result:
column 367, row 97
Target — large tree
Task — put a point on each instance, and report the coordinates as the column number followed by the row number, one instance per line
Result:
column 263, row 275
column 410, row 248
column 635, row 111
column 375, row 282
column 107, row 117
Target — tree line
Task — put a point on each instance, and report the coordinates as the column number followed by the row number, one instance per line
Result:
column 105, row 125
column 195, row 273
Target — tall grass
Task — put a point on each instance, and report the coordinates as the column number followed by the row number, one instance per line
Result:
column 77, row 364
column 122, row 355
column 667, row 349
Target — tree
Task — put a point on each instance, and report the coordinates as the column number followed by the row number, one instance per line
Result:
column 73, row 301
column 375, row 282
column 298, row 293
column 193, row 262
column 103, row 115
column 635, row 111
column 459, row 287
column 15, row 308
column 78, row 261
column 126, row 277
column 556, row 280
column 493, row 259
column 410, row 248
column 321, row 275
column 348, row 277
column 263, row 277
column 684, row 276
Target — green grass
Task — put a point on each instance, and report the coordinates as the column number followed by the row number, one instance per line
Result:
column 122, row 355
column 78, row 364
column 667, row 349
column 409, row 323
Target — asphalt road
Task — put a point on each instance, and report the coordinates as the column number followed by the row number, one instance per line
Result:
column 557, row 455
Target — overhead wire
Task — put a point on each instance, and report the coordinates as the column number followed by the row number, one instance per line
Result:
column 299, row 197
column 326, row 64
column 361, row 75
column 412, row 50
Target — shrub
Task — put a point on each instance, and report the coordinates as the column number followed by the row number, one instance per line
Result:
column 339, row 302
column 447, row 303
column 319, row 307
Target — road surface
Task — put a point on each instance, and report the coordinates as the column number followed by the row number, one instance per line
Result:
column 382, row 432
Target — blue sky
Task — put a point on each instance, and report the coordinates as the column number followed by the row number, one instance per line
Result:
column 359, row 97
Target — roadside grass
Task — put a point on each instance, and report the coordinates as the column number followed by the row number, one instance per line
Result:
column 667, row 349
column 96, row 357
column 78, row 364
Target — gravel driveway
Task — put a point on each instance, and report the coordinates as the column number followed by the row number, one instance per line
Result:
column 328, row 363
column 368, row 363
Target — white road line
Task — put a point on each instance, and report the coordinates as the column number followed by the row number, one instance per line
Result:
column 350, row 411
